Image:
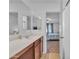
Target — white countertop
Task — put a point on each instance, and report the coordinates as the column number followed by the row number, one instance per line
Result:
column 16, row 46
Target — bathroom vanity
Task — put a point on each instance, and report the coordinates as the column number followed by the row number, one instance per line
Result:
column 24, row 41
column 31, row 48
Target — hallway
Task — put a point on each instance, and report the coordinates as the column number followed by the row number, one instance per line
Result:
column 52, row 51
column 50, row 56
column 53, row 46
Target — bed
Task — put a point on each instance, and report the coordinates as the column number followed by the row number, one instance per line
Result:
column 52, row 36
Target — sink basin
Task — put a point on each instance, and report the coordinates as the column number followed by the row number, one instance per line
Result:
column 14, row 37
column 25, row 35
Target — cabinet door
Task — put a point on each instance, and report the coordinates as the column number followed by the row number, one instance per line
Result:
column 41, row 46
column 38, row 49
column 34, row 51
column 37, row 52
column 28, row 54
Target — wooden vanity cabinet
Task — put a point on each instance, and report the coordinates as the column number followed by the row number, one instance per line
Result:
column 29, row 54
column 33, row 51
column 26, row 53
column 41, row 45
column 38, row 48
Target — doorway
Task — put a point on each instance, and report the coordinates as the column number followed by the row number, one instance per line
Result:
column 52, row 32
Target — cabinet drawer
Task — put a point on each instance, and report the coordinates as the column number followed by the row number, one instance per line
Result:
column 28, row 54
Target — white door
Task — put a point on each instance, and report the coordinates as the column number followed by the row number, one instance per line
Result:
column 65, row 34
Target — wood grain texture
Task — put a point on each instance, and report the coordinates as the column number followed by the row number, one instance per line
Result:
column 53, row 46
column 27, row 55
column 53, row 50
column 37, row 52
column 21, row 55
column 50, row 56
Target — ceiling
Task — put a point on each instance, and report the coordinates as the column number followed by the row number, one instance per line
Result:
column 37, row 1
column 46, row 1
column 43, row 3
column 41, row 6
column 37, row 5
column 14, row 0
column 28, row 2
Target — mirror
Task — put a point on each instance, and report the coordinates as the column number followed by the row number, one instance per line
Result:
column 37, row 23
column 24, row 22
column 13, row 22
column 27, row 22
column 26, row 25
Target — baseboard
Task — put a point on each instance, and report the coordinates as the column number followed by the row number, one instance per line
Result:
column 53, row 40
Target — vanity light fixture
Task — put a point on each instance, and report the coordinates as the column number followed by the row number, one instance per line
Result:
column 39, row 17
column 49, row 19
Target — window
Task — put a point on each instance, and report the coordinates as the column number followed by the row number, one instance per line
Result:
column 49, row 28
